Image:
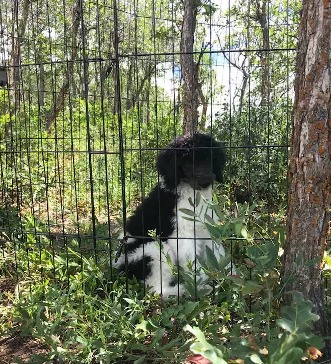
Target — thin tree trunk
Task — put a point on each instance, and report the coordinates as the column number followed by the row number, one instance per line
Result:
column 244, row 83
column 309, row 196
column 41, row 85
column 18, row 31
column 62, row 94
column 262, row 18
column 204, row 101
column 132, row 97
column 189, row 68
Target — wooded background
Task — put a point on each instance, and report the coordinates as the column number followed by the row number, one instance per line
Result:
column 93, row 93
column 91, row 90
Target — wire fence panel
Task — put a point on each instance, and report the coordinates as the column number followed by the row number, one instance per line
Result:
column 94, row 91
column 91, row 94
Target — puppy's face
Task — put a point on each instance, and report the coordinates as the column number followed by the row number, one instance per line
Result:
column 197, row 173
column 197, row 160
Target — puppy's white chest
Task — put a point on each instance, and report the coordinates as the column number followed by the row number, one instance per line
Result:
column 190, row 235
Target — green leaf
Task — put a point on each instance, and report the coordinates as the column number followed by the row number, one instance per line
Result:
column 237, row 229
column 211, row 259
column 317, row 342
column 197, row 199
column 291, row 356
column 298, row 316
column 37, row 359
column 141, row 360
column 224, row 262
column 244, row 233
column 171, row 344
column 265, row 255
column 129, row 301
column 98, row 344
column 251, row 287
column 24, row 313
column 188, row 212
column 142, row 326
column 209, row 220
column 158, row 336
column 287, row 325
column 190, row 307
column 82, row 340
column 214, row 231
column 202, row 347
column 61, row 350
column 197, row 333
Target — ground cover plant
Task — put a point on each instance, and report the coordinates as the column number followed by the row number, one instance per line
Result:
column 79, row 313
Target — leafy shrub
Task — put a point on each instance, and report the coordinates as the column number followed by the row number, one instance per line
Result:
column 72, row 304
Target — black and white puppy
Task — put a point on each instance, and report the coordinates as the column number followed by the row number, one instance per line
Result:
column 189, row 164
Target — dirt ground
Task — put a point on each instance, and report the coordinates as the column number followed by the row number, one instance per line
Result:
column 16, row 346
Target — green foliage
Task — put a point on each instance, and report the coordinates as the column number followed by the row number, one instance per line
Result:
column 76, row 308
column 215, row 355
column 291, row 341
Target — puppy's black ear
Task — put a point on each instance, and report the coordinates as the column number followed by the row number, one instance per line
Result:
column 219, row 160
column 168, row 163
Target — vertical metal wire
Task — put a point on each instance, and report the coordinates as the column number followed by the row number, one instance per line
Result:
column 268, row 122
column 118, row 110
column 104, row 131
column 88, row 130
column 230, row 154
column 249, row 119
column 12, row 155
column 140, row 146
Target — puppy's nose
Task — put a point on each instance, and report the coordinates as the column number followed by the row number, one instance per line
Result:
column 206, row 181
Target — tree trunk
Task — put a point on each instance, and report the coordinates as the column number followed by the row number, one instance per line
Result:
column 62, row 94
column 262, row 18
column 310, row 161
column 189, row 68
column 20, row 18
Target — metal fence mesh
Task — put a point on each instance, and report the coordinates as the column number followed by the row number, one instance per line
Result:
column 94, row 92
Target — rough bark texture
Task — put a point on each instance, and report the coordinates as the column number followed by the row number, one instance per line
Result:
column 261, row 16
column 190, row 71
column 310, row 160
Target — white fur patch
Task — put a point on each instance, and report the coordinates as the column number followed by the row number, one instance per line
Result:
column 188, row 240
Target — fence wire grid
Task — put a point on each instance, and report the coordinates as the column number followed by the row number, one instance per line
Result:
column 92, row 91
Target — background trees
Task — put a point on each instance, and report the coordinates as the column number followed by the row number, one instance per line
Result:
column 243, row 57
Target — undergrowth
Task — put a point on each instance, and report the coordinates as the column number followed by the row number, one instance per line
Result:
column 73, row 304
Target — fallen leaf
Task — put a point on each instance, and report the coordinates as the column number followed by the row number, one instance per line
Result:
column 253, row 343
column 264, row 351
column 197, row 359
column 313, row 353
column 249, row 263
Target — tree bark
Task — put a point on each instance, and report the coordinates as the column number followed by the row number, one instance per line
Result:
column 262, row 18
column 189, row 68
column 62, row 94
column 20, row 18
column 309, row 196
